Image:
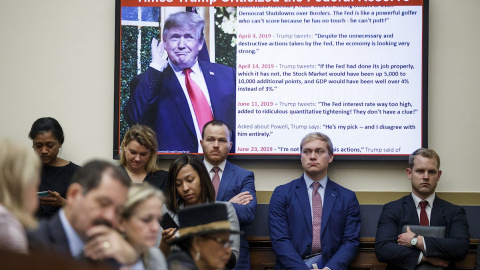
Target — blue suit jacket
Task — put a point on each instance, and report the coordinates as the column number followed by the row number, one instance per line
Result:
column 290, row 225
column 159, row 102
column 402, row 212
column 235, row 180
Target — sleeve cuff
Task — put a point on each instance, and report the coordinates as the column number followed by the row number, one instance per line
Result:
column 157, row 66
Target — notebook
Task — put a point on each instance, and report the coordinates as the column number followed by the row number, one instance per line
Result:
column 314, row 261
column 431, row 231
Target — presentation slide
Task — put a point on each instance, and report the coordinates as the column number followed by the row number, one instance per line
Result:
column 353, row 73
column 354, row 70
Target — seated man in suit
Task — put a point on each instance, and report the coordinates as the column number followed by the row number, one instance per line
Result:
column 84, row 227
column 422, row 207
column 231, row 182
column 313, row 214
column 176, row 97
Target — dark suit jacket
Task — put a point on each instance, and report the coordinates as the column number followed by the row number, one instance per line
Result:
column 236, row 180
column 402, row 212
column 50, row 235
column 290, row 225
column 159, row 102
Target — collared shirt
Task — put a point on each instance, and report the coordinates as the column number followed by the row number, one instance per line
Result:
column 210, row 167
column 428, row 209
column 321, row 189
column 75, row 243
column 197, row 76
column 429, row 206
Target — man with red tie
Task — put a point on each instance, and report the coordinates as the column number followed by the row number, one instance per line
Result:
column 313, row 215
column 232, row 183
column 178, row 95
column 406, row 250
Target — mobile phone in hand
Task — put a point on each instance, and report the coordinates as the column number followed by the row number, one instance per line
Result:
column 42, row 194
column 167, row 222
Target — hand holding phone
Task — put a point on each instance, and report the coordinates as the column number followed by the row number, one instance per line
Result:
column 42, row 194
column 168, row 222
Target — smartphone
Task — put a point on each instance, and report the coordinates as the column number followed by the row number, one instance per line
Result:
column 42, row 194
column 167, row 222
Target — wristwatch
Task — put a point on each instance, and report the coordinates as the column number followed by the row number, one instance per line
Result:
column 414, row 240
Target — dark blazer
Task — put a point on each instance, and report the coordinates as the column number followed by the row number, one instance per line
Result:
column 402, row 212
column 50, row 235
column 236, row 180
column 157, row 179
column 159, row 102
column 290, row 225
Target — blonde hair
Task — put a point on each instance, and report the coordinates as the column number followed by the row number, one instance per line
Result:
column 137, row 194
column 145, row 136
column 19, row 169
column 317, row 136
column 426, row 153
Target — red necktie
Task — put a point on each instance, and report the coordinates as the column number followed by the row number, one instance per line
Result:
column 199, row 102
column 216, row 180
column 317, row 218
column 423, row 214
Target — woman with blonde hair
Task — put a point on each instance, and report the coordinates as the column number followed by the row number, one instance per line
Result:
column 19, row 180
column 139, row 157
column 139, row 222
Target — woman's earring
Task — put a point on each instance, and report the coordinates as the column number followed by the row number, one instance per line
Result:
column 197, row 255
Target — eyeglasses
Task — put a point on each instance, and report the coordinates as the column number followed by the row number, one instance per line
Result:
column 225, row 243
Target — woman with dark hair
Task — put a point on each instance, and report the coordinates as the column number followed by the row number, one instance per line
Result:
column 47, row 136
column 139, row 157
column 203, row 238
column 189, row 184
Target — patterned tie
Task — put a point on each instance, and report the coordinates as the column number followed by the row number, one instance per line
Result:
column 216, row 180
column 199, row 102
column 317, row 218
column 423, row 214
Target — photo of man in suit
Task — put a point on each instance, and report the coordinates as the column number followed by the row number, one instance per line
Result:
column 422, row 207
column 84, row 229
column 177, row 96
column 313, row 214
column 231, row 183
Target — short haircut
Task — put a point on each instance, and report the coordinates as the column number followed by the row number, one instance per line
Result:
column 47, row 124
column 317, row 136
column 137, row 194
column 90, row 176
column 217, row 123
column 207, row 193
column 426, row 153
column 19, row 169
column 145, row 136
column 184, row 19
